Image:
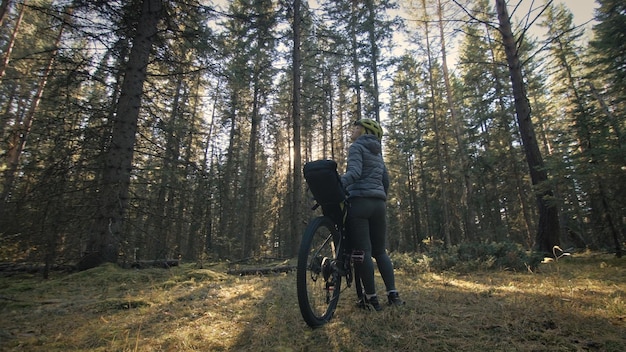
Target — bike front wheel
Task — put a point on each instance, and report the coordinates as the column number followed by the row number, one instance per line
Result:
column 318, row 278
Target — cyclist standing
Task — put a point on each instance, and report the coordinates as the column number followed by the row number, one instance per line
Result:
column 367, row 181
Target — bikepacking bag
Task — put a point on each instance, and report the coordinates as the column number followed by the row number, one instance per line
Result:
column 323, row 180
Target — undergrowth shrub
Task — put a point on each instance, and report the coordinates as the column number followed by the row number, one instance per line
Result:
column 468, row 257
column 495, row 255
column 412, row 263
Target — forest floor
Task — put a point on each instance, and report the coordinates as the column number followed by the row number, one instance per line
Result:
column 575, row 304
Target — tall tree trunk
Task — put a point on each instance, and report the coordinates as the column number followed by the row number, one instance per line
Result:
column 11, row 43
column 342, row 93
column 108, row 226
column 439, row 140
column 355, row 60
column 18, row 138
column 548, row 233
column 422, row 188
column 4, row 5
column 371, row 11
column 248, row 233
column 296, row 228
column 208, row 183
column 22, row 130
column 515, row 173
column 468, row 211
column 229, row 183
column 327, row 118
column 160, row 216
column 415, row 239
column 199, row 197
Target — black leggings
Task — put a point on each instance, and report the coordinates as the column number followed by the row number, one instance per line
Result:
column 367, row 230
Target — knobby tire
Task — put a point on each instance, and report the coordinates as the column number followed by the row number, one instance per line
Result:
column 316, row 272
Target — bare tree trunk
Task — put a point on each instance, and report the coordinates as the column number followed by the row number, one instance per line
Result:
column 355, row 61
column 424, row 191
column 230, row 183
column 248, row 233
column 296, row 228
column 469, row 213
column 548, row 233
column 22, row 130
column 4, row 5
column 340, row 158
column 11, row 43
column 520, row 192
column 415, row 239
column 163, row 204
column 199, row 198
column 108, row 226
column 374, row 55
column 327, row 117
column 438, row 140
column 208, row 202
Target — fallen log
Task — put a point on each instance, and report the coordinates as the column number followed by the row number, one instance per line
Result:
column 10, row 269
column 159, row 263
column 262, row 271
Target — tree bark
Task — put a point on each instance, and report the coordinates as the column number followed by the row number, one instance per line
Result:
column 548, row 233
column 297, row 157
column 108, row 225
column 248, row 234
column 11, row 43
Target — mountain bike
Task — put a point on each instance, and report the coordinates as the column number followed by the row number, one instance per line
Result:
column 323, row 260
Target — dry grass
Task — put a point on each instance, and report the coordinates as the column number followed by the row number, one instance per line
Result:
column 576, row 304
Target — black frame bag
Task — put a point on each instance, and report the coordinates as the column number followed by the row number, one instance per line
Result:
column 325, row 184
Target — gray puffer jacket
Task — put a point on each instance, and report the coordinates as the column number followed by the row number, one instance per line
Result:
column 366, row 174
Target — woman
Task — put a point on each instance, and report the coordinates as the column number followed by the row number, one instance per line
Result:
column 366, row 180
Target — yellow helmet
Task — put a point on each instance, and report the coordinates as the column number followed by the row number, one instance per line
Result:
column 371, row 127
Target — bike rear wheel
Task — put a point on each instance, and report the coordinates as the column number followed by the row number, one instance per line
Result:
column 318, row 278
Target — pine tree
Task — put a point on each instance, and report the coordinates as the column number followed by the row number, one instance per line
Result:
column 408, row 203
column 608, row 64
column 548, row 233
column 108, row 227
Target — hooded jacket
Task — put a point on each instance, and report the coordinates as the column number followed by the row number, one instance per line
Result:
column 366, row 174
